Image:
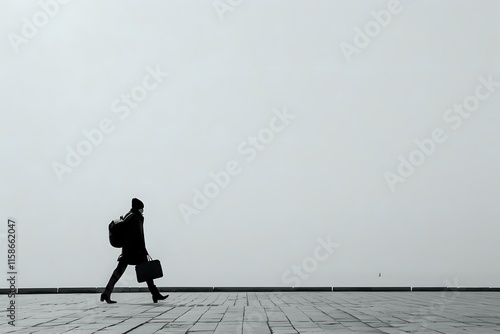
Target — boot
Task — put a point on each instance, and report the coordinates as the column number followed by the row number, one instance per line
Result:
column 158, row 297
column 106, row 296
column 154, row 292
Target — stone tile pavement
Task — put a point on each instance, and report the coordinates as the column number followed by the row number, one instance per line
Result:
column 258, row 313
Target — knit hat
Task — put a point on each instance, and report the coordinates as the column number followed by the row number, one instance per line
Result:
column 137, row 204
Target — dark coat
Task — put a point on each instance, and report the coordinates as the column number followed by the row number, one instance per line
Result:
column 134, row 247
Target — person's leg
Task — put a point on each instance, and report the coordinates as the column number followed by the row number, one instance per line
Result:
column 117, row 273
column 155, row 293
column 152, row 287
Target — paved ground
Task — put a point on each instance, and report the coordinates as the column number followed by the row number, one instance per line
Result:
column 259, row 313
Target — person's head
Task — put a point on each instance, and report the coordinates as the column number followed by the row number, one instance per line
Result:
column 137, row 205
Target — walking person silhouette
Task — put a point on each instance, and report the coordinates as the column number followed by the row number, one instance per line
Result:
column 133, row 251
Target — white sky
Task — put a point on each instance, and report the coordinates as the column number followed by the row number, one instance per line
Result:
column 323, row 175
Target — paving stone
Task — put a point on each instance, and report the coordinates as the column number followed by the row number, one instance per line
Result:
column 259, row 313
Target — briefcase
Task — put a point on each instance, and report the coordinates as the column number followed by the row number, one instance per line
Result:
column 150, row 269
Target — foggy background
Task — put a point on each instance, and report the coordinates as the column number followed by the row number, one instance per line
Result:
column 232, row 65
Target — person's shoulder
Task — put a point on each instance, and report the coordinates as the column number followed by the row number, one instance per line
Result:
column 130, row 217
column 136, row 216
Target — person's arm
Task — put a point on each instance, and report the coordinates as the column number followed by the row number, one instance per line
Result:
column 143, row 241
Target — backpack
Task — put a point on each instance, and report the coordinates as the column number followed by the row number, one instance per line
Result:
column 117, row 231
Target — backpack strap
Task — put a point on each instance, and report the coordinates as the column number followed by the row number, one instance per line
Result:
column 130, row 213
